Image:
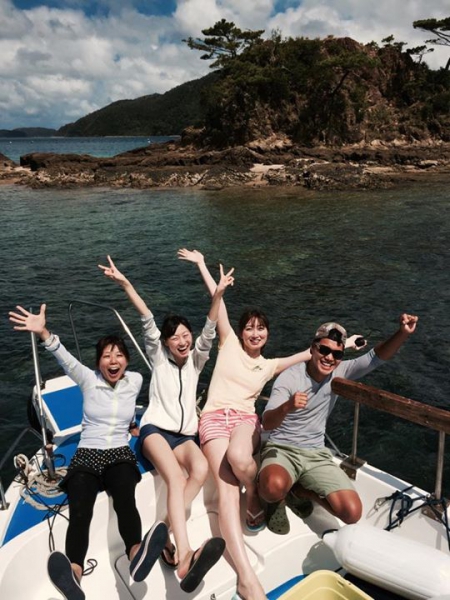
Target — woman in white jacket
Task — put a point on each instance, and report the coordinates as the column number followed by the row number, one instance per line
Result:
column 169, row 425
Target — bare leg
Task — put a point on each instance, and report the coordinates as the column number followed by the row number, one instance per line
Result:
column 192, row 459
column 156, row 449
column 243, row 442
column 343, row 504
column 77, row 570
column 275, row 483
column 248, row 585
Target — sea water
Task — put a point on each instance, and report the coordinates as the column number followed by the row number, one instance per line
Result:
column 14, row 148
column 361, row 258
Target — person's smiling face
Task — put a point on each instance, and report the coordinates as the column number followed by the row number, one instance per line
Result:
column 326, row 355
column 112, row 364
column 179, row 344
column 254, row 337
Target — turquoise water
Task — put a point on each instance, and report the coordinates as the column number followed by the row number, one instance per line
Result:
column 361, row 258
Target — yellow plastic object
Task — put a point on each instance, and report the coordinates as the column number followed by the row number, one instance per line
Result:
column 325, row 585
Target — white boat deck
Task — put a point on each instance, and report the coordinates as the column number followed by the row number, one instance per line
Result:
column 276, row 559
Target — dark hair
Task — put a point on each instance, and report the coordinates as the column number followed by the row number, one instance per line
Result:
column 250, row 315
column 111, row 340
column 170, row 325
column 335, row 335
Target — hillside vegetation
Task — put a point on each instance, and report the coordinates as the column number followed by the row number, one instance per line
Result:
column 157, row 114
column 330, row 92
column 25, row 132
column 312, row 92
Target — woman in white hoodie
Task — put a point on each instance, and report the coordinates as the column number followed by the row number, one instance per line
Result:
column 169, row 425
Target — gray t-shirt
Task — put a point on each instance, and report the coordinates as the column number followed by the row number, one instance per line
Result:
column 305, row 427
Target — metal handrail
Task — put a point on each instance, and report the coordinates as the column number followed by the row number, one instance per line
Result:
column 46, row 448
column 119, row 318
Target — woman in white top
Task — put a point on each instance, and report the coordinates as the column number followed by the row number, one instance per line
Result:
column 169, row 425
column 103, row 459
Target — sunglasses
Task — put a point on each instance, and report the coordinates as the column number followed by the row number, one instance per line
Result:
column 325, row 351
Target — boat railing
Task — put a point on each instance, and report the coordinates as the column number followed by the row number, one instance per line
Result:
column 413, row 411
column 46, row 446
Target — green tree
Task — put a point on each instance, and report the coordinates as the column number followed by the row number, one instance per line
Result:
column 223, row 42
column 419, row 51
column 439, row 28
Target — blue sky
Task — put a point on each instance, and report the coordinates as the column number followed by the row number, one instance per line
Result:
column 61, row 60
column 92, row 8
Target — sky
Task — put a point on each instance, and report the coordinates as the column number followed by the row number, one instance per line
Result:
column 63, row 59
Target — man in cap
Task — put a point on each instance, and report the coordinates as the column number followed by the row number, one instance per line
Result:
column 295, row 465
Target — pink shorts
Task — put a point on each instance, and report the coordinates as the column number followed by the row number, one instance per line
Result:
column 220, row 423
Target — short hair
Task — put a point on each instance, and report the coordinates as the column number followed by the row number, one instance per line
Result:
column 250, row 315
column 170, row 325
column 111, row 340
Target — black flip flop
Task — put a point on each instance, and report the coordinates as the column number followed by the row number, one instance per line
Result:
column 63, row 578
column 170, row 564
column 149, row 550
column 201, row 562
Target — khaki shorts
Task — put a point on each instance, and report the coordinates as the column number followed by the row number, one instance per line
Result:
column 312, row 468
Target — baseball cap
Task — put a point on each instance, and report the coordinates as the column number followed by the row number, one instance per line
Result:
column 325, row 329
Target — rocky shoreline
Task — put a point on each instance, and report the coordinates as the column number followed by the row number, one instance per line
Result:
column 274, row 162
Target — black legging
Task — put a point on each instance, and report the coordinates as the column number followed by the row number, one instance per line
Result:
column 82, row 489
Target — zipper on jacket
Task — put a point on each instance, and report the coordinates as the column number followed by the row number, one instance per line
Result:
column 179, row 399
column 180, row 393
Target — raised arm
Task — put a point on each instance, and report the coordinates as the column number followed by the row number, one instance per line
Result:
column 194, row 256
column 386, row 350
column 27, row 321
column 113, row 273
column 226, row 279
column 36, row 323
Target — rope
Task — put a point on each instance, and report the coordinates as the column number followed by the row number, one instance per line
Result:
column 407, row 508
column 37, row 489
column 90, row 569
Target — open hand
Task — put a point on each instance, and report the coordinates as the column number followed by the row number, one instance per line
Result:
column 193, row 256
column 27, row 321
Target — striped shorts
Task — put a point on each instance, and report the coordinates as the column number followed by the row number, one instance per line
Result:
column 220, row 423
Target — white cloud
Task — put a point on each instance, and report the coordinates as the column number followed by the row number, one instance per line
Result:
column 59, row 64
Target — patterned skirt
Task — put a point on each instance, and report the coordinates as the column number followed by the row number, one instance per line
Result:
column 96, row 461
